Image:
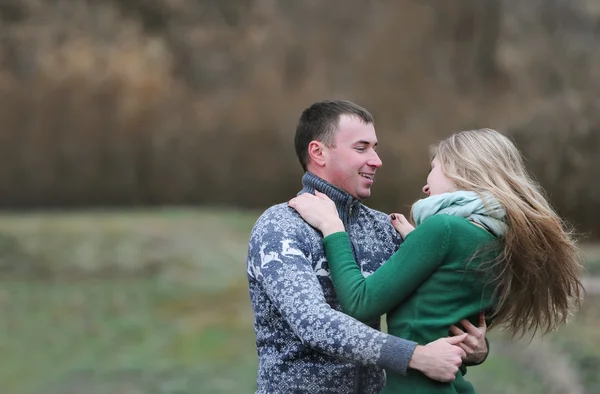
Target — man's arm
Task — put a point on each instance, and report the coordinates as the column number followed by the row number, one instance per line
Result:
column 279, row 256
column 278, row 259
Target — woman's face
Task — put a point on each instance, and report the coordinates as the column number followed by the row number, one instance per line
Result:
column 437, row 182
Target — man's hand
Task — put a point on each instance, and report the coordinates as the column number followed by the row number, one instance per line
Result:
column 474, row 346
column 440, row 359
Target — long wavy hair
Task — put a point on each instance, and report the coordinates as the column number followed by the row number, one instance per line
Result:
column 537, row 274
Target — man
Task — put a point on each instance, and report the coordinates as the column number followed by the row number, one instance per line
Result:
column 305, row 343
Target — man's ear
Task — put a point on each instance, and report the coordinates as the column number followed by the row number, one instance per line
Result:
column 317, row 151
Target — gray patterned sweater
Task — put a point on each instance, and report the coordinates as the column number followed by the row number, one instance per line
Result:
column 305, row 344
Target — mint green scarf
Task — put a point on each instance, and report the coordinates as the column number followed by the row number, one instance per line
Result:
column 465, row 204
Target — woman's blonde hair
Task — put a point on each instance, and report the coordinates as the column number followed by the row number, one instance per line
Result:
column 536, row 276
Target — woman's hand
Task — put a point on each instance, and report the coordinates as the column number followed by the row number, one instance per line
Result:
column 319, row 211
column 401, row 225
column 475, row 345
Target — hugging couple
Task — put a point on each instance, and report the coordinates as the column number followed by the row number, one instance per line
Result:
column 483, row 247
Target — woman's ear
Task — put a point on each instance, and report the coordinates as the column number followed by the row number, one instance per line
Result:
column 317, row 151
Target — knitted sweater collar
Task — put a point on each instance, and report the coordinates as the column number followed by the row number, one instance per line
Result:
column 347, row 205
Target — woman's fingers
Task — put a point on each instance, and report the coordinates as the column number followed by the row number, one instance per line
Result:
column 402, row 219
column 466, row 348
column 455, row 330
column 396, row 222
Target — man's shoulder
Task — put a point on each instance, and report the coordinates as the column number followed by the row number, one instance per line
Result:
column 375, row 212
column 279, row 219
column 280, row 229
column 379, row 217
column 279, row 212
column 381, row 223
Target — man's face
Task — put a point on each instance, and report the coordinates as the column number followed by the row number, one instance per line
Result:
column 352, row 162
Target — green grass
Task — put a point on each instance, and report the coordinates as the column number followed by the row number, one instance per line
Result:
column 148, row 301
column 592, row 255
column 157, row 302
column 137, row 329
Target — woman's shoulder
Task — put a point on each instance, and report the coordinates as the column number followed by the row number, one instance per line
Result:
column 451, row 223
column 434, row 227
column 457, row 226
column 441, row 220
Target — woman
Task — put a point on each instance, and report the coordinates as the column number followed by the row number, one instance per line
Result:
column 486, row 240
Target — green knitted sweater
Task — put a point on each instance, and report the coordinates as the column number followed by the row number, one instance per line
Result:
column 430, row 283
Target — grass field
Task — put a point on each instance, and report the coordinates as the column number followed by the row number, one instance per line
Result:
column 156, row 302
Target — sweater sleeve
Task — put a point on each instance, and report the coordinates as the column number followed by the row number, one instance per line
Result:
column 422, row 251
column 281, row 262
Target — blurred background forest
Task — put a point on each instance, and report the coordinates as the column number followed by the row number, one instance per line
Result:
column 140, row 140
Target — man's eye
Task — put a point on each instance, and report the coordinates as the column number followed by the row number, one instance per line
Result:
column 360, row 148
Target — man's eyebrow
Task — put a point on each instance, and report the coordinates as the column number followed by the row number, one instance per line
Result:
column 363, row 142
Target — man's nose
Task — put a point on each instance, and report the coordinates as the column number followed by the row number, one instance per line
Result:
column 426, row 189
column 375, row 161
